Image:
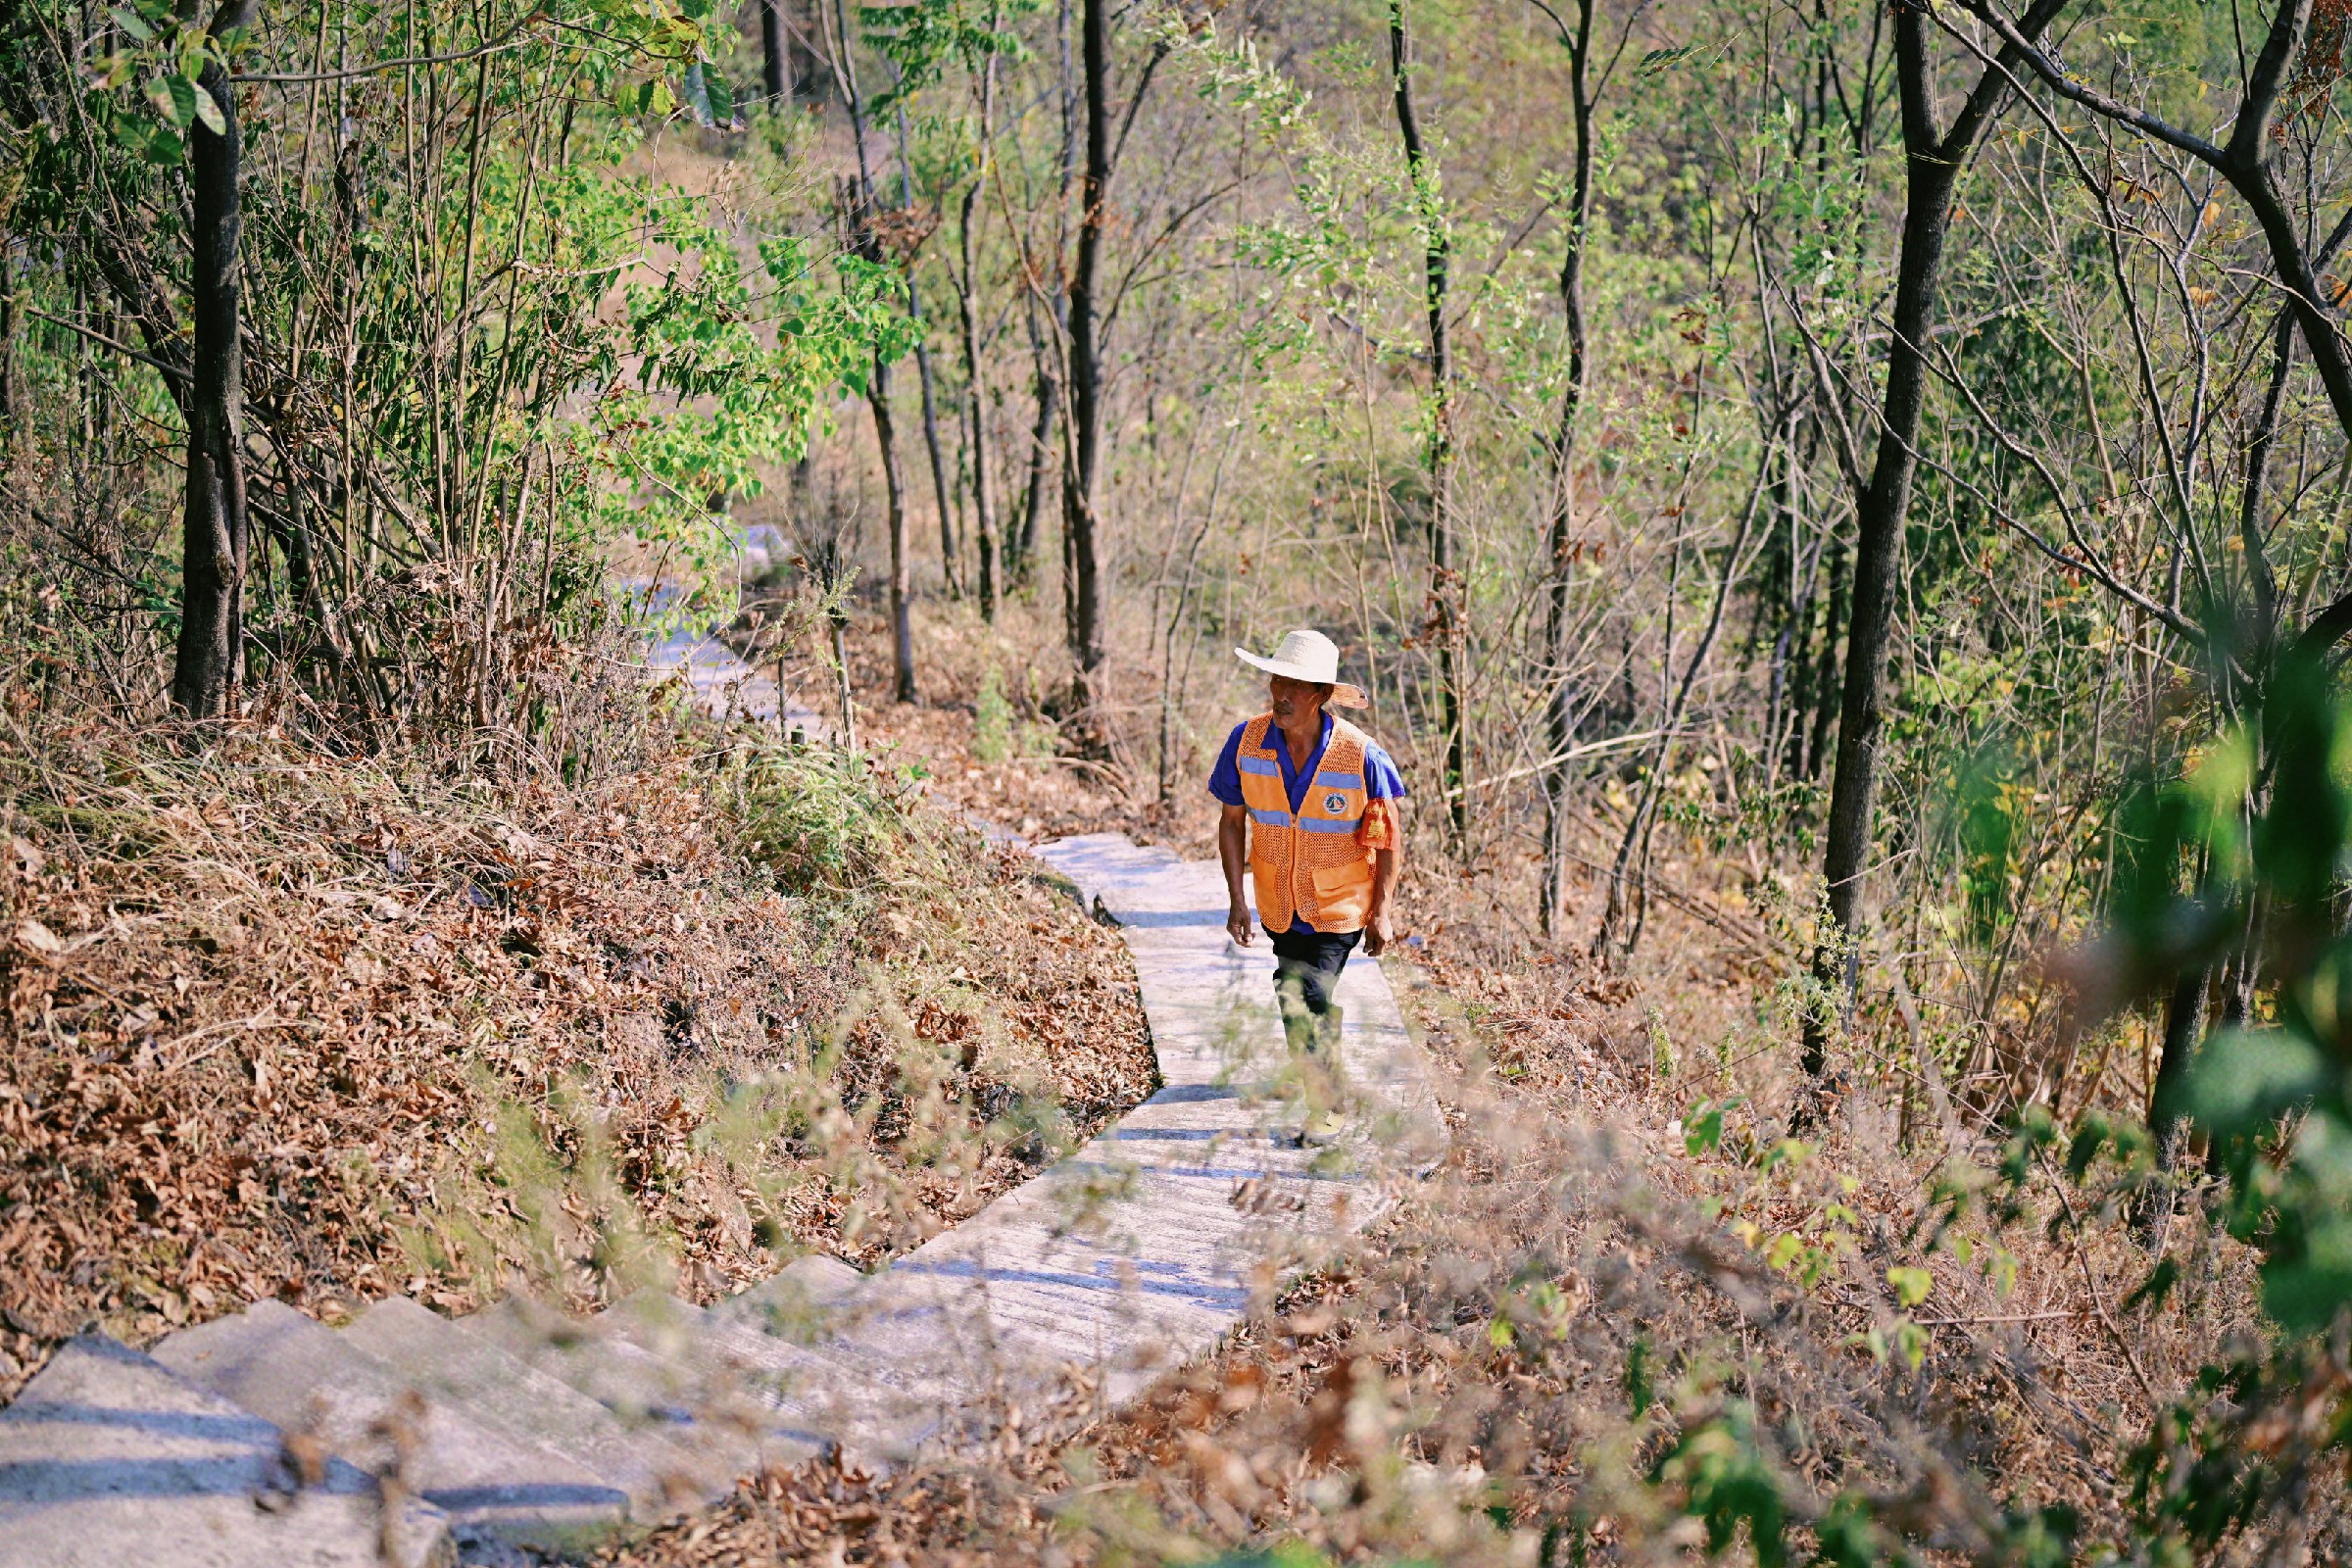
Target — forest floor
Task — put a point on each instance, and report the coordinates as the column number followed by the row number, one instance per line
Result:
column 1504, row 1369
column 326, row 1030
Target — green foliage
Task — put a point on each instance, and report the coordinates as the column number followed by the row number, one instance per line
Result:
column 456, row 428
column 1641, row 1384
column 992, row 720
column 1725, row 1482
column 924, row 39
column 2277, row 1101
column 820, row 819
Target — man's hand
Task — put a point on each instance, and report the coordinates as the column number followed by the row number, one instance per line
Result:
column 1238, row 925
column 1378, row 934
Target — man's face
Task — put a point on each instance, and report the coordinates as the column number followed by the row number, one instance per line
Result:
column 1292, row 699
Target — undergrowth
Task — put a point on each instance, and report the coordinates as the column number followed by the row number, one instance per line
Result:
column 285, row 1022
column 1640, row 1317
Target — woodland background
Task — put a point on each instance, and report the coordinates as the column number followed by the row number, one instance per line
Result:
column 1840, row 510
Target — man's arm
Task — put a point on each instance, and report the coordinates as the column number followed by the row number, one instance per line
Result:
column 1387, row 866
column 1233, row 843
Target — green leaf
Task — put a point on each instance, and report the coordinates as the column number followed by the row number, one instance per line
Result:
column 1911, row 1284
column 1703, row 1131
column 132, row 23
column 2090, row 1134
column 1728, row 1482
column 1639, row 1386
column 208, row 110
column 2243, row 1079
column 2156, row 1287
column 1848, row 1534
column 175, row 98
column 721, row 96
column 2306, row 1290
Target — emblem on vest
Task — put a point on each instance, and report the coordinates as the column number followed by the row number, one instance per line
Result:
column 1334, row 803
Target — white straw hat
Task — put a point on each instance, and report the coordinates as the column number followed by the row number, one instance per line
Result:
column 1311, row 656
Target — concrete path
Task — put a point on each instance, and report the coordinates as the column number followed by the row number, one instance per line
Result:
column 267, row 1439
column 726, row 686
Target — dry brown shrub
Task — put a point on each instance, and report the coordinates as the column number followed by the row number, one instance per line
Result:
column 323, row 1027
column 1502, row 1372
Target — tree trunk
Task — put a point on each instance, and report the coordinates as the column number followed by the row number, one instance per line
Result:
column 1822, row 680
column 774, row 71
column 877, row 389
column 214, row 527
column 1559, row 709
column 8, row 341
column 1079, row 488
column 1445, row 583
column 1931, row 170
column 984, row 523
column 2184, row 1027
column 1022, row 552
column 894, row 490
column 1933, row 163
column 950, row 553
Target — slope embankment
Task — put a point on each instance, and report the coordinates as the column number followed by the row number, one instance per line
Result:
column 319, row 1028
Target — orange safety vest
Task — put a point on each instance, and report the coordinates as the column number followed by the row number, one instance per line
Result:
column 1316, row 865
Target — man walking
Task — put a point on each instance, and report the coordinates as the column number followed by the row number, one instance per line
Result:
column 1315, row 800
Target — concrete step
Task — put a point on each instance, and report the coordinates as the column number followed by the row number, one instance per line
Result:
column 495, row 1486
column 817, row 1397
column 796, row 1300
column 108, row 1458
column 704, row 1416
column 473, row 1373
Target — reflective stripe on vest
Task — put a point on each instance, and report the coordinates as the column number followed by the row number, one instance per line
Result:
column 1306, row 866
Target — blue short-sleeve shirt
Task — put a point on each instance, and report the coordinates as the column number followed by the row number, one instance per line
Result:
column 1382, row 781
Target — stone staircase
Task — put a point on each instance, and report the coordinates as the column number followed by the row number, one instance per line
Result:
column 406, row 1438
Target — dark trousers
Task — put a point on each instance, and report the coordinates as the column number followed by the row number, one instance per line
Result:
column 1307, row 965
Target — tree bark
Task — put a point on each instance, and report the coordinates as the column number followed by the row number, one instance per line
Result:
column 1932, row 161
column 1559, row 709
column 8, row 339
column 214, row 525
column 1822, row 681
column 984, row 523
column 774, row 72
column 877, row 386
column 2184, row 1027
column 894, row 490
column 1079, row 479
column 1021, row 556
column 950, row 553
column 1445, row 583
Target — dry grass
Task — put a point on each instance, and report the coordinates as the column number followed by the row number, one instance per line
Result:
column 282, row 1023
column 278, row 1020
column 1507, row 1372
